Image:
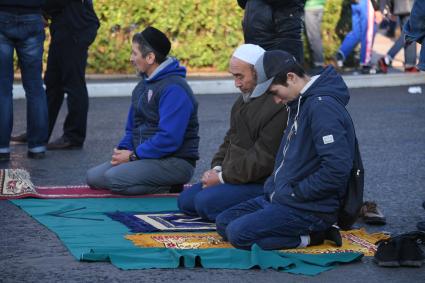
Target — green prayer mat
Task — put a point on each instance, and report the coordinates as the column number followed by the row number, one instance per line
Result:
column 90, row 235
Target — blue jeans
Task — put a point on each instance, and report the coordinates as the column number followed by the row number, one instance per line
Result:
column 208, row 203
column 145, row 176
column 415, row 29
column 25, row 34
column 409, row 51
column 271, row 226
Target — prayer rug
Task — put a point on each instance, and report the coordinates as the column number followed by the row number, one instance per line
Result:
column 358, row 241
column 90, row 235
column 16, row 183
column 139, row 222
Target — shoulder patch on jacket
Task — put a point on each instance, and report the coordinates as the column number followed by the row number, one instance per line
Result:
column 328, row 139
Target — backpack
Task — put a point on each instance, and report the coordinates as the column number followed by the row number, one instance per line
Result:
column 353, row 199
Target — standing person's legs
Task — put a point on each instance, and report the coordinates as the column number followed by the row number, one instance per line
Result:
column 270, row 226
column 421, row 64
column 75, row 125
column 30, row 53
column 53, row 80
column 368, row 28
column 211, row 201
column 409, row 51
column 396, row 47
column 145, row 176
column 6, row 84
column 313, row 26
column 74, row 72
column 72, row 51
column 353, row 37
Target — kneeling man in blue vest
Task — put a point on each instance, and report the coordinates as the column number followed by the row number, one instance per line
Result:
column 160, row 145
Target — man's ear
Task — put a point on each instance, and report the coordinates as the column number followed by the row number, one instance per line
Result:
column 150, row 58
column 291, row 77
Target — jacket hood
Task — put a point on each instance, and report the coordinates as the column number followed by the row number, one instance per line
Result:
column 329, row 83
column 170, row 67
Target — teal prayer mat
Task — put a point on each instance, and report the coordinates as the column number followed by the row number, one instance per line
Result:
column 90, row 235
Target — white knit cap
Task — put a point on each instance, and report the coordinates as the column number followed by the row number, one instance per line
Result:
column 248, row 53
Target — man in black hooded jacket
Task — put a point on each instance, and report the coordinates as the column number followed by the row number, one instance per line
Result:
column 274, row 24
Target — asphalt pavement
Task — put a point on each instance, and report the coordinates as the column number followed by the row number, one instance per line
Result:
column 390, row 125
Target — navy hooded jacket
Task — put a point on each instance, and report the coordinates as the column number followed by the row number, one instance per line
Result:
column 317, row 150
column 163, row 117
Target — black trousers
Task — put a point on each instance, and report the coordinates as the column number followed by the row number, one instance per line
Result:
column 65, row 73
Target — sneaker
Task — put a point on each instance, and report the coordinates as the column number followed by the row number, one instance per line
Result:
column 382, row 65
column 387, row 253
column 368, row 70
column 339, row 58
column 410, row 253
column 19, row 139
column 63, row 143
column 371, row 214
column 411, row 70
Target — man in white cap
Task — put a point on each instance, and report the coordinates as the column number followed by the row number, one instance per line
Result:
column 246, row 157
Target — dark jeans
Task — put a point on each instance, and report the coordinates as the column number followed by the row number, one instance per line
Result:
column 25, row 34
column 409, row 51
column 415, row 29
column 208, row 203
column 271, row 226
column 65, row 73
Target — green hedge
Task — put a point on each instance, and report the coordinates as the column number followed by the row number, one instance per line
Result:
column 203, row 32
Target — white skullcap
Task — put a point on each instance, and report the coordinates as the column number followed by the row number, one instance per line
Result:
column 248, row 53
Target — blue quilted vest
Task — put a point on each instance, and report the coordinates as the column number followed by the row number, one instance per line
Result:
column 146, row 118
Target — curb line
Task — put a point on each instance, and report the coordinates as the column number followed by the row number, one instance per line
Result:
column 220, row 86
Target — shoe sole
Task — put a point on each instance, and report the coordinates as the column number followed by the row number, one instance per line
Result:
column 412, row 263
column 72, row 147
column 387, row 263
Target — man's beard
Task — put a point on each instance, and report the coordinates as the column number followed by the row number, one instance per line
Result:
column 246, row 97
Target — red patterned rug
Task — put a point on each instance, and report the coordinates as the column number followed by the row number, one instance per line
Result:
column 16, row 183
